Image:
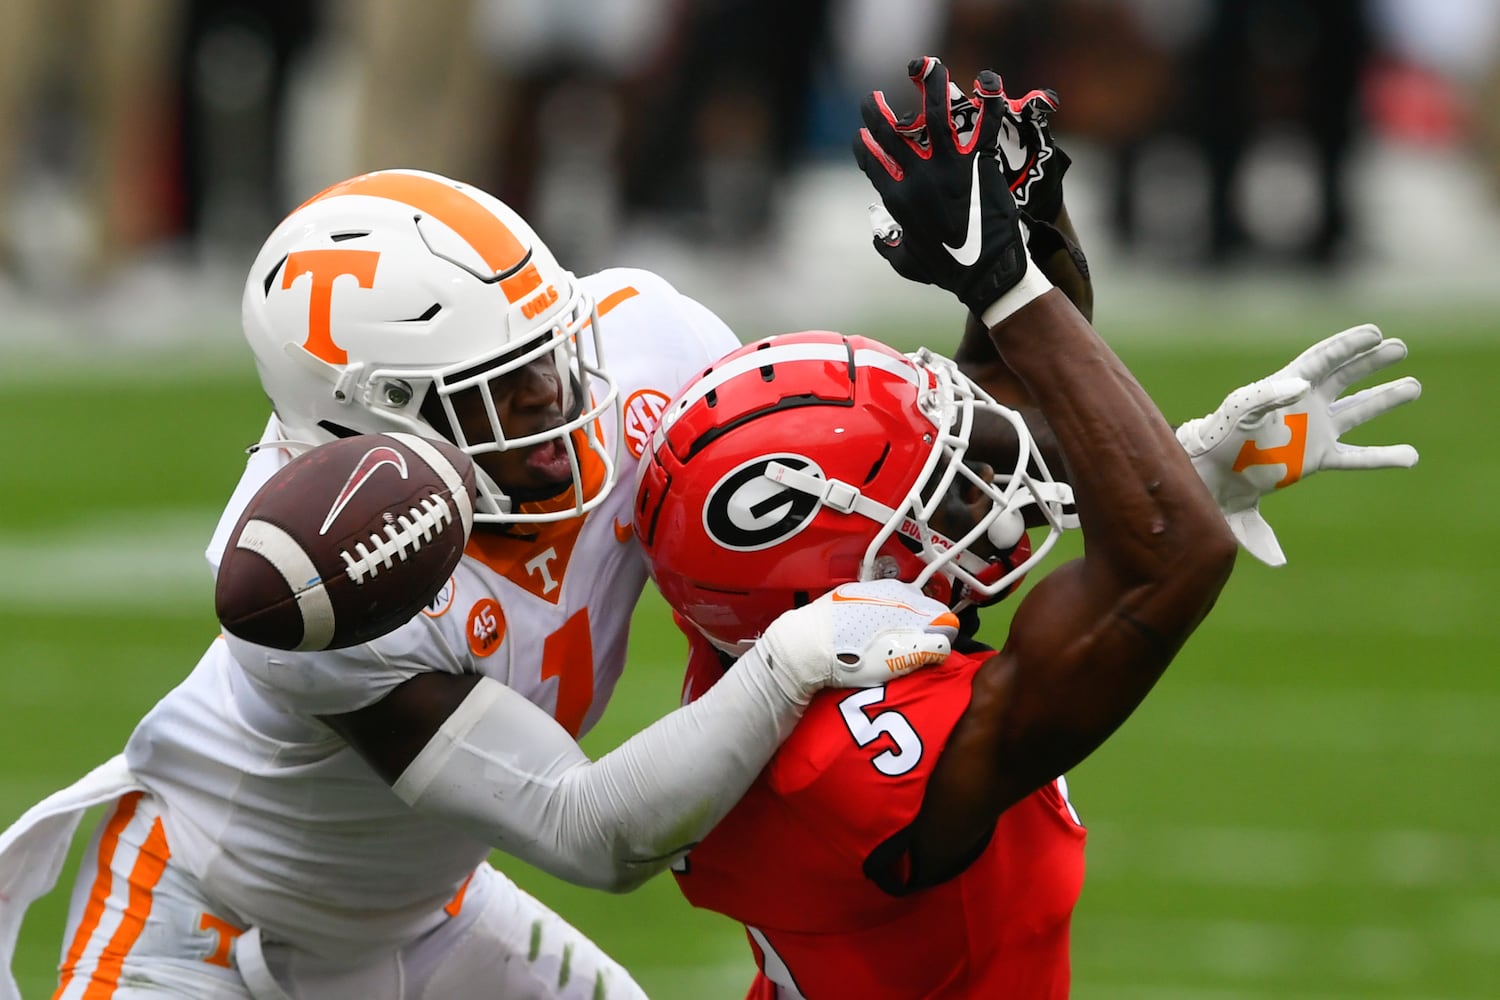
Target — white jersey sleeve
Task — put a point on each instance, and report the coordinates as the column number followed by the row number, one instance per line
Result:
column 335, row 681
column 264, row 460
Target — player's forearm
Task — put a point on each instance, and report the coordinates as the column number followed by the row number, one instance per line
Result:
column 664, row 789
column 1089, row 640
column 1143, row 508
column 1060, row 256
column 994, row 441
column 505, row 771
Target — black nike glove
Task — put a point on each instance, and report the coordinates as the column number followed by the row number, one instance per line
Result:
column 955, row 223
column 1033, row 162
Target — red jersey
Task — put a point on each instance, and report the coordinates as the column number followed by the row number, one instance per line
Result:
column 801, row 860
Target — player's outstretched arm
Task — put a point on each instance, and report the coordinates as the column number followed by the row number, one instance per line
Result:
column 1092, row 638
column 483, row 757
column 1265, row 436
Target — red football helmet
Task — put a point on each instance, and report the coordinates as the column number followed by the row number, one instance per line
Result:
column 806, row 460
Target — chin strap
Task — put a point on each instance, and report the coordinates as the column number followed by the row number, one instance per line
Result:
column 1049, row 497
column 837, row 495
column 293, row 448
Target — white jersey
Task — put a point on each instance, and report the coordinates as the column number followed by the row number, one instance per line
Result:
column 287, row 826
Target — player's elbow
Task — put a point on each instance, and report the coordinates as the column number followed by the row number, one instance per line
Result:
column 589, row 868
column 1192, row 533
column 1213, row 548
column 1213, row 562
column 605, row 879
column 1191, row 544
column 613, row 874
column 606, row 851
column 627, row 879
column 1184, row 561
column 1201, row 562
column 1172, row 599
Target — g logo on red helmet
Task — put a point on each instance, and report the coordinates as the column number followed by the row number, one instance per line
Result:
column 747, row 511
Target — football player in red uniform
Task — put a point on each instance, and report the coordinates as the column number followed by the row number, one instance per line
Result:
column 915, row 839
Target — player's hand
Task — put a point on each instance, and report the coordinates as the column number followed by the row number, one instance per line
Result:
column 856, row 635
column 952, row 220
column 1269, row 434
column 1030, row 158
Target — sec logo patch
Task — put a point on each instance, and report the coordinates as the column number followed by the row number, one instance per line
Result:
column 643, row 412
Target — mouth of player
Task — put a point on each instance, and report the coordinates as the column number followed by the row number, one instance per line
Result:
column 549, row 462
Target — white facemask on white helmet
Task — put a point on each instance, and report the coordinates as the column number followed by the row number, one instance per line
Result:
column 379, row 299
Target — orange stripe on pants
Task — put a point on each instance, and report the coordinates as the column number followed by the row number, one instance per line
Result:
column 150, row 862
column 99, row 895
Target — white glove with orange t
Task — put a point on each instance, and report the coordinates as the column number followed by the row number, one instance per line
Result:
column 1269, row 434
column 856, row 635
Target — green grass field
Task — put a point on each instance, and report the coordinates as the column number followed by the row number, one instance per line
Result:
column 1306, row 807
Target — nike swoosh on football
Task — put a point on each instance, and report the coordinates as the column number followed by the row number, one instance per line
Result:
column 368, row 463
column 968, row 253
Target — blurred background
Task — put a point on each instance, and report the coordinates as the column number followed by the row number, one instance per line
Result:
column 147, row 146
column 1307, row 806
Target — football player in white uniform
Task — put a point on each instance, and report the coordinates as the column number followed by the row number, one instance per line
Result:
column 289, row 824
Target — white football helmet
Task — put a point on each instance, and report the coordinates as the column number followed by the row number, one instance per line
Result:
column 377, row 300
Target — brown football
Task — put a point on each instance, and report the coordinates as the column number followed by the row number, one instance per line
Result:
column 346, row 542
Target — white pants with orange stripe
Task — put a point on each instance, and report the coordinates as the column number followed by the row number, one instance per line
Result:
column 139, row 926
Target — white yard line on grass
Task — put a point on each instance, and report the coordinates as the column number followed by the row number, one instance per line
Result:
column 1352, row 955
column 134, row 562
column 1302, row 719
column 1275, row 858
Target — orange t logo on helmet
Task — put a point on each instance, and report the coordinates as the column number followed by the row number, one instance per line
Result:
column 327, row 266
column 507, row 257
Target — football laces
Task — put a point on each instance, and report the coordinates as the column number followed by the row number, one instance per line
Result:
column 400, row 539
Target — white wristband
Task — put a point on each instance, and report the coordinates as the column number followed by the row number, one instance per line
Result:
column 1033, row 284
